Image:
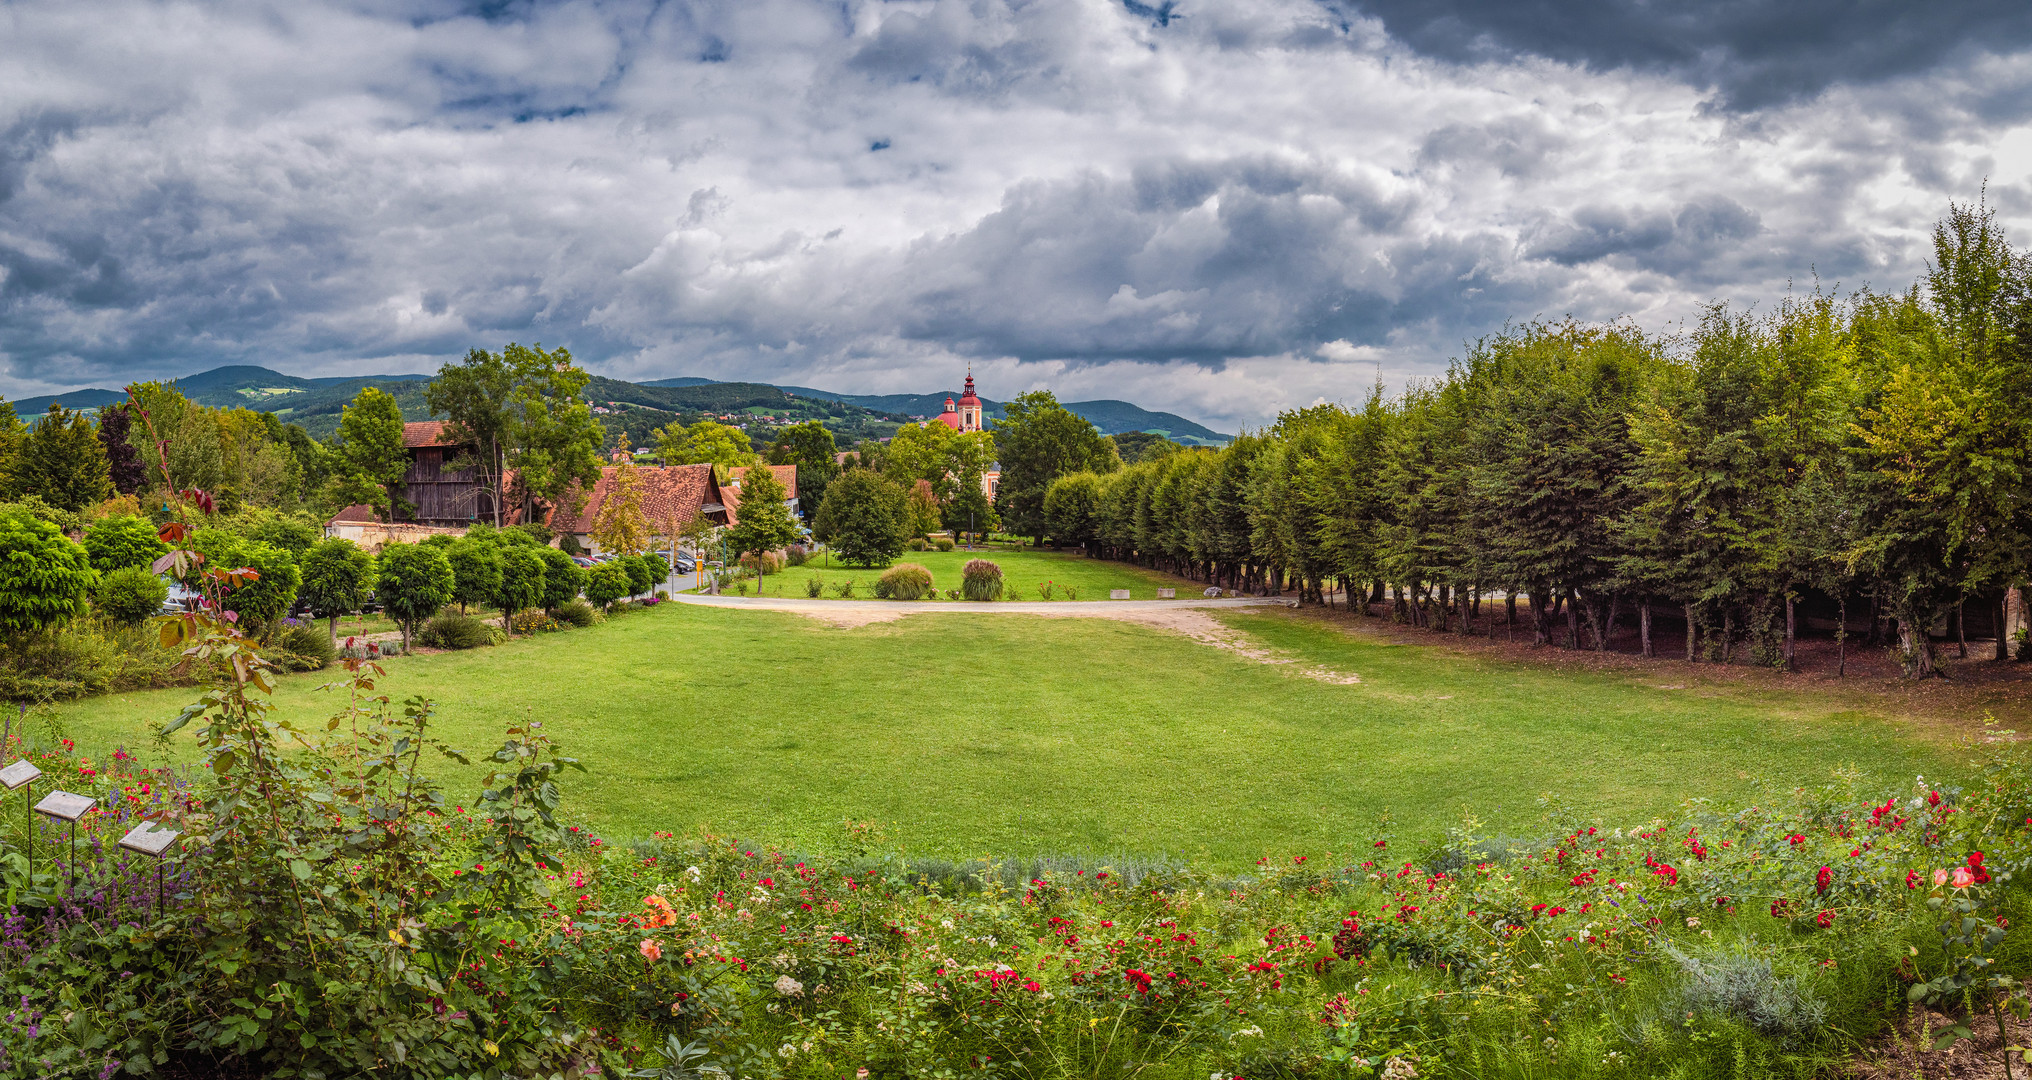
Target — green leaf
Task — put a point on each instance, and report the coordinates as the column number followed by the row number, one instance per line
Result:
column 301, row 869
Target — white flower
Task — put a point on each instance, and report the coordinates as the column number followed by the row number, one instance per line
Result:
column 695, row 872
column 786, row 1051
column 788, row 986
column 1251, row 1030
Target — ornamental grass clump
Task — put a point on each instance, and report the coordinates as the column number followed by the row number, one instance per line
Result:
column 904, row 581
column 451, row 630
column 981, row 580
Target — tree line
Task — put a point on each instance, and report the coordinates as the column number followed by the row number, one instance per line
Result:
column 1862, row 447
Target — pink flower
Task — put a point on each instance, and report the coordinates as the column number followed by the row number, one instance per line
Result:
column 1939, row 878
column 1962, row 878
column 651, row 951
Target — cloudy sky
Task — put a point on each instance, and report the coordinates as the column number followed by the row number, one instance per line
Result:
column 1220, row 207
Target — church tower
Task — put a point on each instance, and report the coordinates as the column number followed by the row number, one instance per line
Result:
column 970, row 407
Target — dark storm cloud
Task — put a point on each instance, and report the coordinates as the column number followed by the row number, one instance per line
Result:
column 1224, row 210
column 1756, row 53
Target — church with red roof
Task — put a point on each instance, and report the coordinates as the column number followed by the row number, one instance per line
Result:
column 967, row 415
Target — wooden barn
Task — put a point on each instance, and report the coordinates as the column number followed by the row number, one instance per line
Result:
column 440, row 494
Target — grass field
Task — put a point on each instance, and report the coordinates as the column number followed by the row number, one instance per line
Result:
column 971, row 733
column 1023, row 571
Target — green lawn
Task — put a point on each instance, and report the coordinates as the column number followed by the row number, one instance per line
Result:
column 1022, row 572
column 972, row 733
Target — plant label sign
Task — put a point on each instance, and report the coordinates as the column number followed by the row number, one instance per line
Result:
column 19, row 773
column 149, row 840
column 64, row 806
column 1118, row 594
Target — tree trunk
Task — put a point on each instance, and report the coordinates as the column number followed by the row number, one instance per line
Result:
column 1961, row 627
column 1791, row 628
column 1917, row 645
column 1510, row 614
column 494, row 443
column 1692, row 657
column 1841, row 640
column 1644, row 627
column 1997, row 616
column 1728, row 634
column 334, row 620
column 1572, row 619
column 1541, row 623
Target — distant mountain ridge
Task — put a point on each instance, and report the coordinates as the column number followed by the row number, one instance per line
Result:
column 317, row 402
column 1112, row 417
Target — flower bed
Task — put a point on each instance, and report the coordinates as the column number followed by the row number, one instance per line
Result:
column 396, row 930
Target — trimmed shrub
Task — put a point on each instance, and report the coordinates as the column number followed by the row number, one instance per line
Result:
column 450, row 630
column 289, row 534
column 412, row 581
column 944, row 543
column 308, row 648
column 575, row 612
column 905, row 581
column 522, row 584
column 641, row 575
column 768, row 562
column 796, row 555
column 563, row 579
column 129, row 595
column 606, row 583
column 918, row 543
column 981, row 580
column 43, row 576
column 123, row 541
column 476, row 570
column 337, row 575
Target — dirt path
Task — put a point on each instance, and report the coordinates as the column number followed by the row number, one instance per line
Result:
column 1191, row 617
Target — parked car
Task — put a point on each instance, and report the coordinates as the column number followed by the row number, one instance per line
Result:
column 180, row 599
column 583, row 561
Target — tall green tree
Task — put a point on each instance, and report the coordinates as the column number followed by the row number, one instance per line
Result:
column 707, row 442
column 762, row 522
column 1038, row 441
column 555, row 441
column 811, row 448
column 475, row 395
column 413, row 581
column 62, row 461
column 371, row 459
column 864, row 518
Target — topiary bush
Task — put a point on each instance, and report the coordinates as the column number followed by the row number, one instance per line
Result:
column 122, row 541
column 981, row 580
column 450, row 630
column 904, row 581
column 918, row 543
column 412, row 581
column 606, row 583
column 563, row 579
column 641, row 575
column 44, row 577
column 944, row 543
column 575, row 612
column 129, row 595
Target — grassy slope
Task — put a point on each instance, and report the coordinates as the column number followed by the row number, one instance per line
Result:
column 1022, row 572
column 978, row 734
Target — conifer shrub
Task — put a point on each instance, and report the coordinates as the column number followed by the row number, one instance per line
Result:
column 981, row 580
column 904, row 581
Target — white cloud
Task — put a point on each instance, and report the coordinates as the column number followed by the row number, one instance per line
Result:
column 1249, row 209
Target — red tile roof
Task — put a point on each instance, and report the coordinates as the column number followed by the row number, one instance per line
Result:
column 785, row 475
column 423, row 433
column 671, row 496
column 356, row 514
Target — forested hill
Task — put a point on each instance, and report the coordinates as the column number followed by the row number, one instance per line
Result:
column 1111, row 416
column 631, row 410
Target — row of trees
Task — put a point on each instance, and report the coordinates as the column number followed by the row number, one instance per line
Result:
column 1867, row 445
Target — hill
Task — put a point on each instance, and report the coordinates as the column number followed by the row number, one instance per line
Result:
column 632, row 411
column 1111, row 416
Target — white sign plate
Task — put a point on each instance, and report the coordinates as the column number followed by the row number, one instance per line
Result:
column 149, row 840
column 17, row 774
column 64, row 806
